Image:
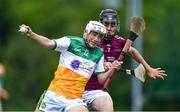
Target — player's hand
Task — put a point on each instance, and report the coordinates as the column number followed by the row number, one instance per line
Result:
column 107, row 65
column 117, row 64
column 25, row 30
column 156, row 73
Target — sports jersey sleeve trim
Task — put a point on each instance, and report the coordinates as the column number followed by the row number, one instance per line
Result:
column 100, row 73
column 62, row 44
column 55, row 44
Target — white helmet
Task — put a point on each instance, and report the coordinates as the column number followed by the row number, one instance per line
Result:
column 96, row 27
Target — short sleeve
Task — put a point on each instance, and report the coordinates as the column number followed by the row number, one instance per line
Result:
column 100, row 66
column 62, row 44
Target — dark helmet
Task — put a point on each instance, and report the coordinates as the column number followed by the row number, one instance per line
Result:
column 108, row 15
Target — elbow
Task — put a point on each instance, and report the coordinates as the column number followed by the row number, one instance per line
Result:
column 101, row 81
column 134, row 52
column 49, row 45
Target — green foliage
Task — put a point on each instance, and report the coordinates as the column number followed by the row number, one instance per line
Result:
column 26, row 73
column 161, row 44
column 30, row 67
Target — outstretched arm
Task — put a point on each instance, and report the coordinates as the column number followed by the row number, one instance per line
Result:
column 42, row 40
column 152, row 72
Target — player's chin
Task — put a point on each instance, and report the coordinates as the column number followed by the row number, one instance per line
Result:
column 110, row 33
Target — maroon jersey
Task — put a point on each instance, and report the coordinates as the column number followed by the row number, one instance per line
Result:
column 112, row 49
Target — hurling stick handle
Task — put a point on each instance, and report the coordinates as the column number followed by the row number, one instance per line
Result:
column 120, row 58
column 127, row 46
column 107, row 82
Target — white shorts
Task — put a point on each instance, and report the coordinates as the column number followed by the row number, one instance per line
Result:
column 52, row 102
column 90, row 96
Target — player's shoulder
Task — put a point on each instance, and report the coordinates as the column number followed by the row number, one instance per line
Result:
column 76, row 39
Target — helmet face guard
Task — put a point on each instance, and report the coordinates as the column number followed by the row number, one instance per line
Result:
column 108, row 15
column 94, row 26
column 111, row 23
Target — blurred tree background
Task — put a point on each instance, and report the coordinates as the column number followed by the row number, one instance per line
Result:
column 30, row 67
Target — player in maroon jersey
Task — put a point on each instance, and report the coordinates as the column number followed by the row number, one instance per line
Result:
column 112, row 46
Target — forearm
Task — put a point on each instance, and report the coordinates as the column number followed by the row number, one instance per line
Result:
column 138, row 57
column 102, row 77
column 44, row 41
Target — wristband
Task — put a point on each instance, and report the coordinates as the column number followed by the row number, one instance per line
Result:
column 55, row 45
column 121, row 57
column 132, row 36
column 123, row 53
